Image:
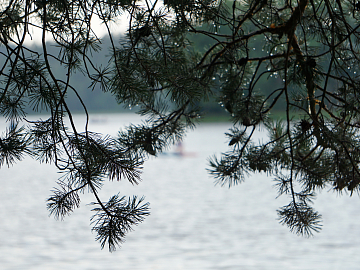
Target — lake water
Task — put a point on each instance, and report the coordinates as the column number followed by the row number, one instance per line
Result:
column 193, row 224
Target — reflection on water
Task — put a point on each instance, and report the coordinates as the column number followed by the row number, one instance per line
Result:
column 193, row 225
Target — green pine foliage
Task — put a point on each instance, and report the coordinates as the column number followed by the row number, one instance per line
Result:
column 252, row 57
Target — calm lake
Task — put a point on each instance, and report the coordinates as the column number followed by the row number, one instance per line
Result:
column 193, row 224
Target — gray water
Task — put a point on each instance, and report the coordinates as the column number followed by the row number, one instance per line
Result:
column 193, row 224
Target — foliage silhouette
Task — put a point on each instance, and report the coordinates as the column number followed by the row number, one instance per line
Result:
column 310, row 48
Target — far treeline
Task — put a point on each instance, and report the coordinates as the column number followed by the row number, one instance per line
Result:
column 178, row 58
column 97, row 101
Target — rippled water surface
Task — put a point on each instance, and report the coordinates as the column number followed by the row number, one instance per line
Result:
column 193, row 224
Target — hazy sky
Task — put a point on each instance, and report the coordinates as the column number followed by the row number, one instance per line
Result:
column 119, row 27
